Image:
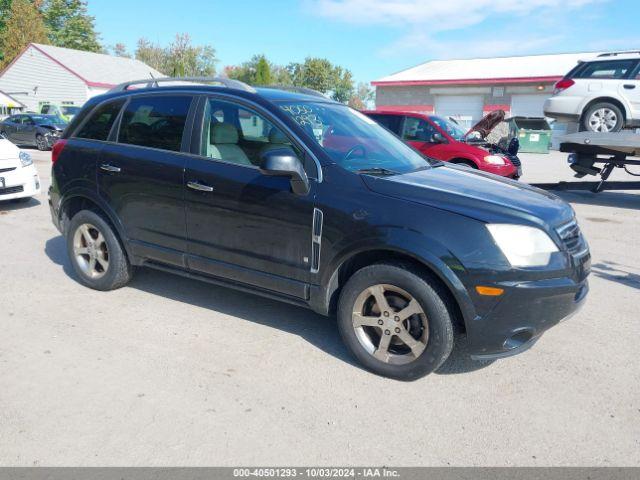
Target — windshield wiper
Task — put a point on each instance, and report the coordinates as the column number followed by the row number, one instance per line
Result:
column 377, row 171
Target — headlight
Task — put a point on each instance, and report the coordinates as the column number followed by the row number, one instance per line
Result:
column 523, row 246
column 25, row 159
column 494, row 160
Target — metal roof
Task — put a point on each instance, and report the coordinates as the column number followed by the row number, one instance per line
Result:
column 98, row 69
column 533, row 68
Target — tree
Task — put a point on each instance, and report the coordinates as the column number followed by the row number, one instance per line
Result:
column 362, row 97
column 320, row 74
column 263, row 72
column 180, row 58
column 23, row 25
column 70, row 25
column 259, row 71
column 120, row 50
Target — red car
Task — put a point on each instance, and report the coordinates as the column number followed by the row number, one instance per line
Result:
column 444, row 140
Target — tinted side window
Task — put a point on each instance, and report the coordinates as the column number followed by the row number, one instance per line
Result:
column 156, row 122
column 390, row 122
column 614, row 69
column 99, row 124
column 45, row 109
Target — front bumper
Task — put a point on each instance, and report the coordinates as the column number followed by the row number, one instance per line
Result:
column 523, row 313
column 20, row 183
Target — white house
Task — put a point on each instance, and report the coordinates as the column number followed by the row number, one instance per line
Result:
column 468, row 89
column 46, row 74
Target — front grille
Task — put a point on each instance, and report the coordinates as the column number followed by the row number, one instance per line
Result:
column 11, row 190
column 3, row 170
column 572, row 238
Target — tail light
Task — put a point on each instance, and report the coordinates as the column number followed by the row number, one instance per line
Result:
column 56, row 150
column 563, row 85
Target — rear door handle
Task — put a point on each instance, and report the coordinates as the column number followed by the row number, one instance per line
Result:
column 199, row 186
column 628, row 86
column 110, row 168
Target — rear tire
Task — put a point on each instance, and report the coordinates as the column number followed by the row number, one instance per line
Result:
column 96, row 253
column 407, row 332
column 603, row 117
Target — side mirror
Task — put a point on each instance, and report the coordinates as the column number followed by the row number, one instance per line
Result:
column 283, row 162
column 438, row 138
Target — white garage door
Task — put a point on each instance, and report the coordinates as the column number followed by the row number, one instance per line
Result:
column 466, row 109
column 528, row 105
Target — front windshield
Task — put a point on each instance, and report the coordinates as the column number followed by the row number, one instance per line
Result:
column 451, row 128
column 47, row 119
column 354, row 141
column 70, row 110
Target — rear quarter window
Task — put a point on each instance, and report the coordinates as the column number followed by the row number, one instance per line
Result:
column 390, row 122
column 99, row 124
column 607, row 70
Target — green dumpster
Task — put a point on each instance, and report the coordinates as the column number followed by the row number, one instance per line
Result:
column 534, row 133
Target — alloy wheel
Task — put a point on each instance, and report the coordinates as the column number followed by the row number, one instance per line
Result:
column 603, row 120
column 390, row 324
column 91, row 251
column 40, row 143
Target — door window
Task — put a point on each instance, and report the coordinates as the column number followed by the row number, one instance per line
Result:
column 99, row 124
column 390, row 122
column 155, row 122
column 615, row 69
column 232, row 133
column 418, row 130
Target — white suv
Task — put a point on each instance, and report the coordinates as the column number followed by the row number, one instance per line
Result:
column 18, row 175
column 602, row 93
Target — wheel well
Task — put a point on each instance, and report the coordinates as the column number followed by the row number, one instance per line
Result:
column 614, row 101
column 466, row 161
column 76, row 204
column 364, row 259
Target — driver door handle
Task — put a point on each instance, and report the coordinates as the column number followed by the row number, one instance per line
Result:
column 629, row 86
column 201, row 187
column 110, row 168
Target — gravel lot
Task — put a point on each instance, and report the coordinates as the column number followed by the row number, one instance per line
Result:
column 169, row 371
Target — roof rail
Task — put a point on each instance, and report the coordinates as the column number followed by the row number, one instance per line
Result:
column 291, row 88
column 155, row 83
column 622, row 52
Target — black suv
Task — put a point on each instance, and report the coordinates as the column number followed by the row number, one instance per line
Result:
column 290, row 195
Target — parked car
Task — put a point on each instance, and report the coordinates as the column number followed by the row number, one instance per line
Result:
column 442, row 139
column 37, row 130
column 63, row 111
column 18, row 176
column 602, row 94
column 326, row 210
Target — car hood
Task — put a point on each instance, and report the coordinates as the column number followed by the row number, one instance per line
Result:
column 8, row 150
column 57, row 126
column 475, row 194
column 487, row 123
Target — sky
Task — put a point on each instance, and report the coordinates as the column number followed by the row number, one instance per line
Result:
column 374, row 38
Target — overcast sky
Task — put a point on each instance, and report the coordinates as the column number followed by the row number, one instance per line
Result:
column 375, row 38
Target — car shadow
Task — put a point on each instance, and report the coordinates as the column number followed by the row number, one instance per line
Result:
column 625, row 200
column 320, row 331
column 13, row 205
column 615, row 272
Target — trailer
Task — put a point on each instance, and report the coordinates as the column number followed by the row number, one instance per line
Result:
column 610, row 150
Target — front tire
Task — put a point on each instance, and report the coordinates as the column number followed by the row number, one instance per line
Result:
column 395, row 321
column 603, row 117
column 96, row 253
column 41, row 143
